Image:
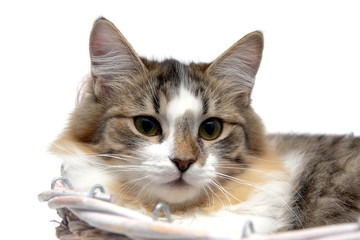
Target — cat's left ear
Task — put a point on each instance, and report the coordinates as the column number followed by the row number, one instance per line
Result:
column 237, row 67
column 112, row 57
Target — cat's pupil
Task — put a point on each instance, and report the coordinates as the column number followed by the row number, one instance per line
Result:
column 148, row 125
column 209, row 128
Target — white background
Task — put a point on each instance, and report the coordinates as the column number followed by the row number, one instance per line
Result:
column 308, row 81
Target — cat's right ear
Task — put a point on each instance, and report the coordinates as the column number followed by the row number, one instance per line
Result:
column 112, row 57
column 236, row 68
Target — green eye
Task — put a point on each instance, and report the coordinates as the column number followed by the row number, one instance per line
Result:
column 147, row 126
column 210, row 129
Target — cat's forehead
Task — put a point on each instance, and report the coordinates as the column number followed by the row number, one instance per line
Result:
column 178, row 90
column 184, row 103
column 170, row 74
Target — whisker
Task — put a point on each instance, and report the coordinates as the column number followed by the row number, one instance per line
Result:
column 145, row 187
column 235, row 166
column 213, row 198
column 130, row 186
column 222, row 190
column 228, row 193
column 241, row 181
column 117, row 158
column 214, row 194
column 207, row 196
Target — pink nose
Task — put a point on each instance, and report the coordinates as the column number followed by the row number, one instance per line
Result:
column 182, row 165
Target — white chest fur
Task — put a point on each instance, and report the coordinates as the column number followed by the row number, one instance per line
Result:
column 267, row 209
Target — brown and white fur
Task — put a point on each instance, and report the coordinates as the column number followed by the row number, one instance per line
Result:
column 279, row 182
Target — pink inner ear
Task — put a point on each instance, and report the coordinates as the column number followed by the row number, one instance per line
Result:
column 104, row 39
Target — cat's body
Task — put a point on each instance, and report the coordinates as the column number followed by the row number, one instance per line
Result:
column 186, row 135
column 326, row 177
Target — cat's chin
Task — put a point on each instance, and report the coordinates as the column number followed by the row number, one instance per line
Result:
column 177, row 192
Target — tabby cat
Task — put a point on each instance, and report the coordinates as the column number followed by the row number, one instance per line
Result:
column 186, row 135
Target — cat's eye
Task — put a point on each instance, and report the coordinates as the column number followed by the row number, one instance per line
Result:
column 147, row 126
column 210, row 129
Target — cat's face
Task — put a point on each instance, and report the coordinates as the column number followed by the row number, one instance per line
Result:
column 164, row 130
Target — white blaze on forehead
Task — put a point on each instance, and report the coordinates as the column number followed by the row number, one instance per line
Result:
column 183, row 102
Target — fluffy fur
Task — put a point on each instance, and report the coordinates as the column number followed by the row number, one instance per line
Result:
column 278, row 182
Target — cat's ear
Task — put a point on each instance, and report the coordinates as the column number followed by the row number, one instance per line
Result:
column 238, row 66
column 112, row 57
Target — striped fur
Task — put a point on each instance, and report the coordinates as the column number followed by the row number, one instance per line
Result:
column 326, row 180
column 240, row 175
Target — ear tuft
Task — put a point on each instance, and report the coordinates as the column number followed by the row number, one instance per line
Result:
column 237, row 67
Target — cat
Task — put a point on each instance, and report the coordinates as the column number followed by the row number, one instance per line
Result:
column 186, row 135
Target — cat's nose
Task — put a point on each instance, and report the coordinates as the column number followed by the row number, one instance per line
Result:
column 182, row 164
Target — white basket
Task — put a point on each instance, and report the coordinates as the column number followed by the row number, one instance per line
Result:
column 95, row 216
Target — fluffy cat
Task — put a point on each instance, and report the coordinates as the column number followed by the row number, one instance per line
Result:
column 187, row 135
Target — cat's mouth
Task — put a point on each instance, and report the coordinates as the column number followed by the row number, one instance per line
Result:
column 178, row 183
column 177, row 190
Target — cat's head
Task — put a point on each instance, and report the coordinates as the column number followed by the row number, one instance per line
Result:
column 165, row 131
